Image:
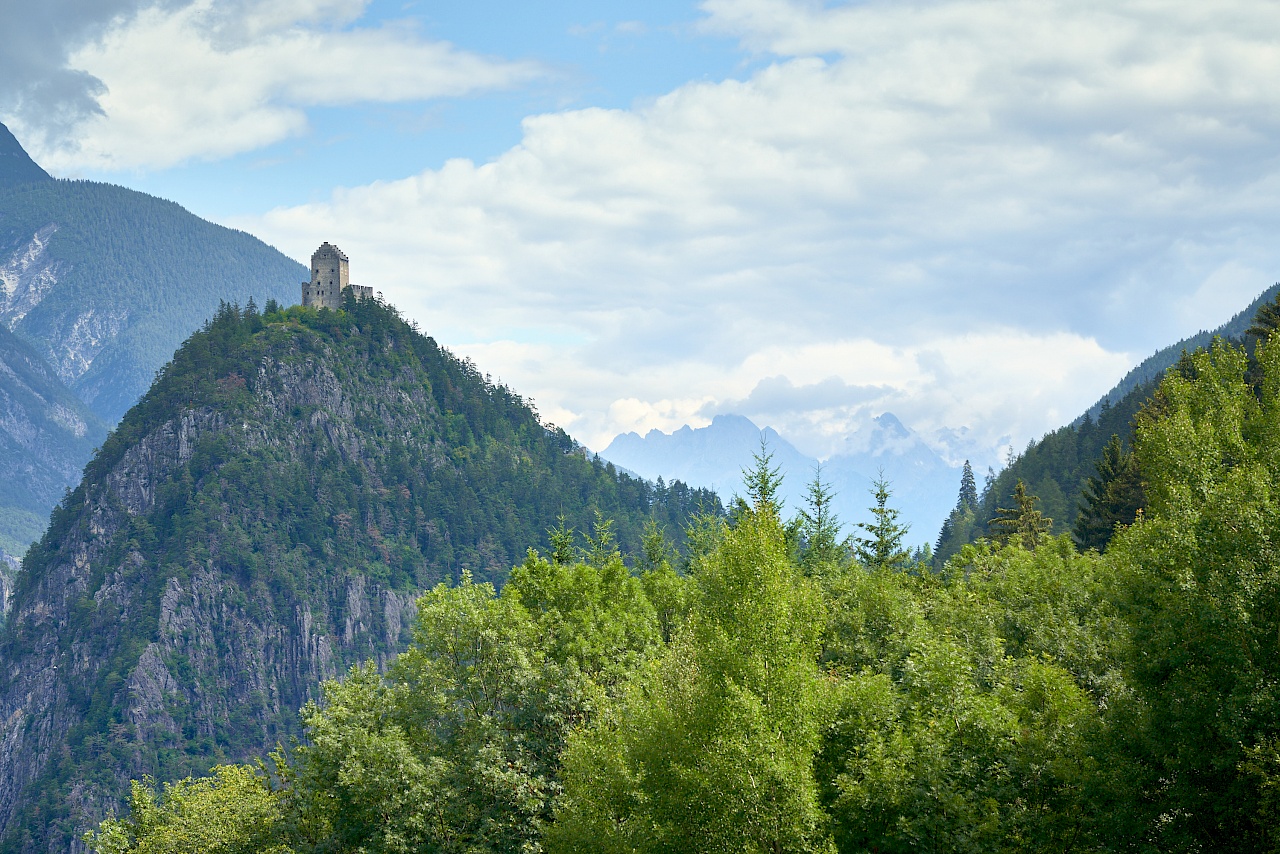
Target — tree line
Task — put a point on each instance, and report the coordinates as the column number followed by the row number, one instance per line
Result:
column 775, row 691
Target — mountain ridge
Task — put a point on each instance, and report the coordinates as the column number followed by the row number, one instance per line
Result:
column 16, row 166
column 1057, row 467
column 1160, row 361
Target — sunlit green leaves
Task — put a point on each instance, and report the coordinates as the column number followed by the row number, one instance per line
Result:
column 711, row 747
column 233, row 811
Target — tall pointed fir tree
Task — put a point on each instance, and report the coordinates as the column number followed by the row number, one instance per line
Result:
column 881, row 547
column 1111, row 497
column 957, row 530
column 968, row 488
column 820, row 529
column 1023, row 523
column 762, row 482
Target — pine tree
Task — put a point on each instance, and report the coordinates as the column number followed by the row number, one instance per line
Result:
column 958, row 526
column 968, row 489
column 944, row 536
column 1111, row 497
column 819, row 527
column 563, row 550
column 882, row 547
column 1266, row 321
column 763, row 480
column 1022, row 523
column 656, row 550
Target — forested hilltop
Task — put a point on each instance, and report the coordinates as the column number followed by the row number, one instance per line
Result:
column 261, row 520
column 1057, row 471
column 1061, row 470
column 783, row 693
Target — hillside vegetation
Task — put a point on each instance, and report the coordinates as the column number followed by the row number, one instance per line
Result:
column 258, row 522
column 781, row 697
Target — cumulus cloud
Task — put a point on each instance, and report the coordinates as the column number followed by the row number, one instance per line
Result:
column 1017, row 383
column 777, row 395
column 212, row 78
column 985, row 207
column 36, row 86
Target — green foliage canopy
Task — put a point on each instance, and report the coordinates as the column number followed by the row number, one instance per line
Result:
column 1201, row 593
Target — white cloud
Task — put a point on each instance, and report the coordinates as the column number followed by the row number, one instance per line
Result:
column 980, row 206
column 999, row 384
column 211, row 79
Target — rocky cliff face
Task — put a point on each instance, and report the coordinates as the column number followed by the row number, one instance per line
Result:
column 27, row 275
column 80, row 332
column 258, row 523
column 213, row 666
column 8, row 574
column 46, row 437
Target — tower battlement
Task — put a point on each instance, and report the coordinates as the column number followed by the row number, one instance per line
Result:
column 330, row 276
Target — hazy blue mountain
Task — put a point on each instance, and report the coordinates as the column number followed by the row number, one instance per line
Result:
column 16, row 166
column 924, row 485
column 711, row 457
column 99, row 285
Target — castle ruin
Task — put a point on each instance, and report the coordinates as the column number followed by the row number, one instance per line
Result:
column 330, row 276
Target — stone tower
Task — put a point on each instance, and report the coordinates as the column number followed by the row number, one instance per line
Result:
column 330, row 276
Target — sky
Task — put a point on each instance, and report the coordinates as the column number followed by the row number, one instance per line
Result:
column 975, row 214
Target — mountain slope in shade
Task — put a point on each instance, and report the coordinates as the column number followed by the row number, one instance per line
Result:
column 924, row 485
column 258, row 522
column 107, row 282
column 46, row 436
column 16, row 166
column 100, row 284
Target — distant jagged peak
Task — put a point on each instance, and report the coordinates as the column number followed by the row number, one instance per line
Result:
column 891, row 425
column 884, row 435
column 16, row 166
column 725, row 431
